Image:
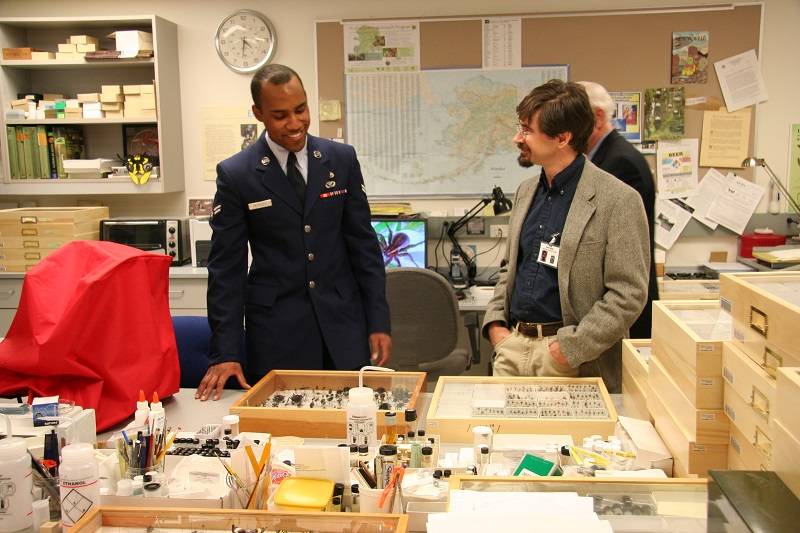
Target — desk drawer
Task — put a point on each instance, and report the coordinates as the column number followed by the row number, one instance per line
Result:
column 187, row 293
column 766, row 310
column 687, row 339
column 703, row 426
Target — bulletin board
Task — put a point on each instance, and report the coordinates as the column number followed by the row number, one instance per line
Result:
column 622, row 51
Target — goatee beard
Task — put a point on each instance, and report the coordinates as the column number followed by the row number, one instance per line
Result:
column 524, row 162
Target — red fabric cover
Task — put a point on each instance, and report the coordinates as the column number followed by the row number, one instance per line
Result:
column 93, row 326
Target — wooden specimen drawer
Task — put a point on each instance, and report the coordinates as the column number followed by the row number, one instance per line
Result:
column 579, row 407
column 750, row 425
column 687, row 338
column 703, row 426
column 786, row 458
column 44, row 243
column 787, row 401
column 635, row 356
column 690, row 457
column 634, row 399
column 689, row 289
column 743, row 454
column 750, row 382
column 766, row 311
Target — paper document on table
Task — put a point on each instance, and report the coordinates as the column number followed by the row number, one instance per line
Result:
column 677, row 168
column 518, row 522
column 671, row 218
column 541, row 503
column 709, row 188
column 726, row 138
column 736, row 203
column 741, row 81
column 324, row 462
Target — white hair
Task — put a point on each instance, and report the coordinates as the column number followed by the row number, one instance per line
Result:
column 599, row 98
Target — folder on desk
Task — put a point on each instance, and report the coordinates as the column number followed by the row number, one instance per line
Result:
column 779, row 258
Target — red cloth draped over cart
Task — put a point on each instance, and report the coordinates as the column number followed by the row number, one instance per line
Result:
column 93, row 326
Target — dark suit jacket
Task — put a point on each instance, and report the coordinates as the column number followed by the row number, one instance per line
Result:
column 618, row 157
column 317, row 274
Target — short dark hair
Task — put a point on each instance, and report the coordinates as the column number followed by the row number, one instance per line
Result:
column 562, row 106
column 274, row 74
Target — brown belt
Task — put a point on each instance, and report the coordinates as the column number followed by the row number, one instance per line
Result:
column 538, row 329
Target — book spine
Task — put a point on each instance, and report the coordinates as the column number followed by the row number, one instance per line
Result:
column 59, row 143
column 23, row 171
column 11, row 144
column 44, row 153
column 32, row 152
column 51, row 152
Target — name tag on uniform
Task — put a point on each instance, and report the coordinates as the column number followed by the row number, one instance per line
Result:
column 548, row 252
column 259, row 205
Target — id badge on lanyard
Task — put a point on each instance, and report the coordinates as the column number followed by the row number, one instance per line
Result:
column 548, row 252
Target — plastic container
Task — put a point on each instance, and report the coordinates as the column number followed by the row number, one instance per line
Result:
column 79, row 482
column 16, row 481
column 362, row 413
column 760, row 237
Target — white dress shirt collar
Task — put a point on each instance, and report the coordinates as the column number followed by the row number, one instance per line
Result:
column 282, row 154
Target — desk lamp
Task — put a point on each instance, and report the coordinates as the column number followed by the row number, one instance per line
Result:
column 752, row 162
column 501, row 205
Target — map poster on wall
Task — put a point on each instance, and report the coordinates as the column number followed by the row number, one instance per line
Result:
column 689, row 57
column 440, row 132
column 226, row 130
column 381, row 46
column 794, row 162
column 663, row 113
column 627, row 119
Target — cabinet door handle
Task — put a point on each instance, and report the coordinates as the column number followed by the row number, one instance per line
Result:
column 8, row 293
column 176, row 294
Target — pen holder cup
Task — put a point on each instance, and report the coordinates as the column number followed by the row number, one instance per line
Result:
column 48, row 488
column 131, row 471
column 369, row 501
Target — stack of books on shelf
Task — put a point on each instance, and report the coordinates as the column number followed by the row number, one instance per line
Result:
column 38, row 152
column 113, row 102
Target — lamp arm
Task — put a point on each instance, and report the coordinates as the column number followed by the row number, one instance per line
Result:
column 460, row 223
column 780, row 186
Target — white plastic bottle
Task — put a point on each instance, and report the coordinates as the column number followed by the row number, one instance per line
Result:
column 79, row 482
column 16, row 503
column 362, row 412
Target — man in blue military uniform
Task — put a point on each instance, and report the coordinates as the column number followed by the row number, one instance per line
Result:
column 314, row 297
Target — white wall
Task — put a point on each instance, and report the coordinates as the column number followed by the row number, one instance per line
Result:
column 205, row 81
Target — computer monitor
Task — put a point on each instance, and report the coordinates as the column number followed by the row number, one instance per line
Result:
column 403, row 242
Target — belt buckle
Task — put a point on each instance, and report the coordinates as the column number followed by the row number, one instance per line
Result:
column 539, row 330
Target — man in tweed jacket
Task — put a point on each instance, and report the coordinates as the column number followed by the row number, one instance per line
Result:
column 578, row 254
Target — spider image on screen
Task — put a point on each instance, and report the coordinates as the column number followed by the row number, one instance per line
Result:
column 402, row 242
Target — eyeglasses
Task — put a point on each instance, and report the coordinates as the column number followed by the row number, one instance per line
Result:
column 523, row 130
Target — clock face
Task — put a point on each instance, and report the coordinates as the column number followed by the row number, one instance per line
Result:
column 245, row 41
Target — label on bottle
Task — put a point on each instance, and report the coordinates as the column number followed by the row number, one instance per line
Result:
column 77, row 497
column 361, row 430
column 15, row 500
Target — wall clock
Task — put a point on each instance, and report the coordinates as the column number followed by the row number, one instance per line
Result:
column 245, row 41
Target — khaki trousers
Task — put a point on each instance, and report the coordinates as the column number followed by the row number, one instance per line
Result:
column 519, row 355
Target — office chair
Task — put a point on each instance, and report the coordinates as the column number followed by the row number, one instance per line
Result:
column 426, row 324
column 193, row 338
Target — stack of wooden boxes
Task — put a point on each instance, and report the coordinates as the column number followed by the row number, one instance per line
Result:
column 635, row 381
column 685, row 383
column 761, row 396
column 28, row 235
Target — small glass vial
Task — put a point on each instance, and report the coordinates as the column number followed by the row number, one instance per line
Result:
column 421, row 437
column 390, row 419
column 388, row 453
column 415, row 459
column 363, row 452
column 355, row 507
column 411, row 420
column 427, row 457
column 484, row 460
column 353, row 456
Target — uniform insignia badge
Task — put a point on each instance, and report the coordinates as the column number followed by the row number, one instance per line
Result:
column 265, row 161
column 364, row 188
column 331, row 174
column 317, row 154
column 330, row 184
column 216, row 210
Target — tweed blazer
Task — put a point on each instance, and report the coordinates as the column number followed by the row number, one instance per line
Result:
column 603, row 270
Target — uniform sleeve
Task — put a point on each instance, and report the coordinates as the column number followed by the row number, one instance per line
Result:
column 364, row 252
column 227, row 272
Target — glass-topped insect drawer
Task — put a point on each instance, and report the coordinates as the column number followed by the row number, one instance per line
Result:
column 170, row 520
column 627, row 504
column 565, row 406
column 766, row 311
column 311, row 403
